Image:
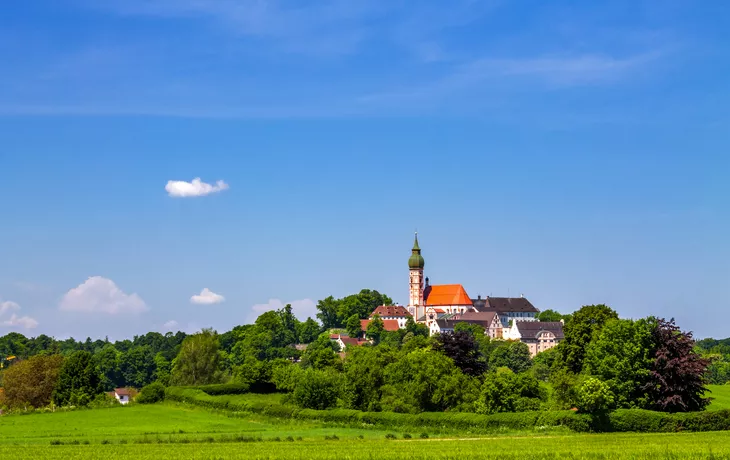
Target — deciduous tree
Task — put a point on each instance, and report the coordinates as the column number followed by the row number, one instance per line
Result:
column 78, row 382
column 678, row 374
column 31, row 382
column 579, row 332
column 199, row 360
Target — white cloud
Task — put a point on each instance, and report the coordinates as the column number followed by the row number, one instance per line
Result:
column 207, row 297
column 8, row 306
column 182, row 189
column 301, row 308
column 23, row 321
column 101, row 295
column 170, row 325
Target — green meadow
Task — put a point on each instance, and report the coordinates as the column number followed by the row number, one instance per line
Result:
column 171, row 430
column 720, row 395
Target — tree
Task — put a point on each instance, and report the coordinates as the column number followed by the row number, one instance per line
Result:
column 308, row 331
column 512, row 355
column 594, row 396
column 317, row 390
column 162, row 369
column 152, row 393
column 79, row 380
column 417, row 329
column 198, row 362
column 505, row 391
column 353, row 326
column 620, row 354
column 31, row 382
column 461, row 347
column 364, row 376
column 137, row 366
column 475, row 330
column 579, row 332
column 375, row 328
column 549, row 315
column 425, row 381
column 328, row 312
column 677, row 378
column 107, row 364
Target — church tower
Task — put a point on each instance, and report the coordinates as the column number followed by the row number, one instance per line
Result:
column 415, row 265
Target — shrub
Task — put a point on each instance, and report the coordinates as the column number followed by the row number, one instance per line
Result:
column 152, row 393
column 594, row 396
column 424, row 436
column 317, row 390
column 406, row 436
column 223, row 389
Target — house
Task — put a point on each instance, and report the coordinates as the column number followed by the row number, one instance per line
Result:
column 488, row 320
column 537, row 335
column 343, row 341
column 122, row 395
column 389, row 325
column 508, row 308
column 392, row 312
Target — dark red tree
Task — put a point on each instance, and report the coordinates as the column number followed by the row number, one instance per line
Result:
column 677, row 380
column 463, row 349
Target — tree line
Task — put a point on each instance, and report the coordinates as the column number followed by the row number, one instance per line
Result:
column 604, row 362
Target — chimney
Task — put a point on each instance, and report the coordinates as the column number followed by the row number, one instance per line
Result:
column 479, row 297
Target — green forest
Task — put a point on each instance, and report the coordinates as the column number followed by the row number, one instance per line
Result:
column 604, row 363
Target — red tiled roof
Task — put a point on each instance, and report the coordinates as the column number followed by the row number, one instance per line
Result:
column 121, row 391
column 388, row 324
column 390, row 310
column 446, row 294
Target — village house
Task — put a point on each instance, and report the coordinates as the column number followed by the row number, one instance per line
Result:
column 343, row 341
column 537, row 335
column 122, row 395
column 488, row 320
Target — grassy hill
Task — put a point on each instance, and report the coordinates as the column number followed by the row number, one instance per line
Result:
column 720, row 395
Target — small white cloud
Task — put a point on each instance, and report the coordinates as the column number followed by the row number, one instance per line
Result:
column 207, row 297
column 181, row 189
column 170, row 325
column 8, row 306
column 99, row 294
column 25, row 322
column 301, row 308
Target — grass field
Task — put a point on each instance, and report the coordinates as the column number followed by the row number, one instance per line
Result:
column 178, row 431
column 720, row 395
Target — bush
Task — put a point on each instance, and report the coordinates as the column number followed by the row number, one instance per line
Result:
column 152, row 393
column 223, row 389
column 594, row 396
column 406, row 436
column 424, row 436
column 390, row 436
column 317, row 390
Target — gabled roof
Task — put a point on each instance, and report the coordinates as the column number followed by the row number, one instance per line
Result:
column 446, row 294
column 389, row 325
column 352, row 342
column 479, row 317
column 505, row 305
column 391, row 310
column 531, row 329
column 122, row 391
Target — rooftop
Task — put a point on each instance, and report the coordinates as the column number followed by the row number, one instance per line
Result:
column 446, row 294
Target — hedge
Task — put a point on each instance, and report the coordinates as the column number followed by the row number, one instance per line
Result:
column 616, row 421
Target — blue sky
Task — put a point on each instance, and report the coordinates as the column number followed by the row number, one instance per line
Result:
column 573, row 152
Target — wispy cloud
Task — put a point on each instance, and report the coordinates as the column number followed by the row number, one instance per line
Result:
column 15, row 321
column 544, row 72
